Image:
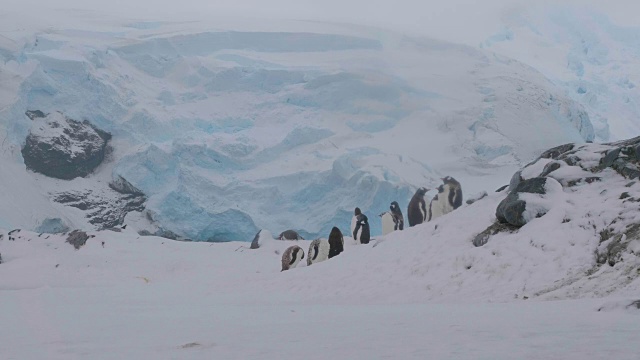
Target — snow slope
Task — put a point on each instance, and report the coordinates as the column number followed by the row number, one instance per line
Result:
column 229, row 128
column 422, row 292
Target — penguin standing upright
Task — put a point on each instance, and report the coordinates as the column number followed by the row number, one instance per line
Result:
column 291, row 257
column 336, row 242
column 354, row 223
column 362, row 232
column 392, row 220
column 448, row 198
column 417, row 210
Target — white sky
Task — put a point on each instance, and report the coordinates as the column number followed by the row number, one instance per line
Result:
column 455, row 20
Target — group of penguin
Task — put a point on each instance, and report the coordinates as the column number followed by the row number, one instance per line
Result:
column 448, row 198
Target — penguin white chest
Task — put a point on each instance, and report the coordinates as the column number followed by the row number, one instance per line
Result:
column 388, row 225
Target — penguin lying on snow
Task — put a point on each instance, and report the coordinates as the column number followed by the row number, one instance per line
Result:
column 318, row 251
column 291, row 257
column 321, row 250
column 448, row 198
column 417, row 210
column 392, row 220
column 290, row 235
column 361, row 232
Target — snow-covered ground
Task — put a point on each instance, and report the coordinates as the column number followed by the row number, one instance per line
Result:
column 414, row 294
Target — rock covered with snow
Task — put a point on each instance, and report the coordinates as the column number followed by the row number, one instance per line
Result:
column 63, row 148
column 594, row 184
column 530, row 199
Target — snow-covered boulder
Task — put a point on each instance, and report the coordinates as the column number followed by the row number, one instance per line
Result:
column 530, row 199
column 63, row 148
column 592, row 184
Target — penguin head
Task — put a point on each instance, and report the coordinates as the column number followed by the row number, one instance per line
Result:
column 421, row 191
column 448, row 180
column 394, row 206
column 357, row 211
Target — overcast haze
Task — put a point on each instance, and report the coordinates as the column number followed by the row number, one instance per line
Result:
column 456, row 20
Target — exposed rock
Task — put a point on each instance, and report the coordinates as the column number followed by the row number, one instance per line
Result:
column 549, row 168
column 515, row 180
column 290, row 235
column 477, row 197
column 494, row 229
column 77, row 238
column 0, row 258
column 104, row 208
column 63, row 148
column 122, row 186
column 555, row 152
column 587, row 180
column 512, row 209
column 35, row 114
column 614, row 246
column 634, row 304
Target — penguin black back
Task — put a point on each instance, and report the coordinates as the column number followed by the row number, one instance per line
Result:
column 336, row 242
column 398, row 218
column 362, row 223
column 417, row 210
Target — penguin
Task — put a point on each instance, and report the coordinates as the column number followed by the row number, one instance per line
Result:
column 448, row 198
column 261, row 238
column 318, row 251
column 290, row 235
column 336, row 242
column 362, row 232
column 354, row 222
column 392, row 220
column 417, row 210
column 291, row 257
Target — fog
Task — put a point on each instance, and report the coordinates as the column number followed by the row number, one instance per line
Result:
column 455, row 20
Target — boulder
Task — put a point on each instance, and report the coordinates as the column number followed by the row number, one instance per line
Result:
column 516, row 211
column 63, row 148
column 77, row 238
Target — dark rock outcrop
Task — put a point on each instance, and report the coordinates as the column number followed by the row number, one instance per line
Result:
column 616, row 245
column 63, row 148
column 511, row 209
column 77, row 238
column 622, row 157
column 492, row 230
column 104, row 208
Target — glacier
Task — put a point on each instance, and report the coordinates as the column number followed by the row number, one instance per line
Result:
column 583, row 52
column 227, row 131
